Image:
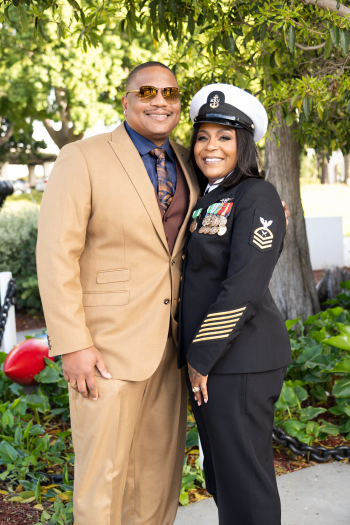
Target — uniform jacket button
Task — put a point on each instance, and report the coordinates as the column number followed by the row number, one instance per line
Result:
column 183, row 257
column 178, row 300
column 166, row 301
column 181, row 278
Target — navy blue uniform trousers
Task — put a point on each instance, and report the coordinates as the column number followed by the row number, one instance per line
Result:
column 235, row 429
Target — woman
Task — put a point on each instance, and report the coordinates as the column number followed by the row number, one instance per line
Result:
column 232, row 336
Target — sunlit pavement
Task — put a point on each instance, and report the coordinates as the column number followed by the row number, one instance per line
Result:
column 315, row 495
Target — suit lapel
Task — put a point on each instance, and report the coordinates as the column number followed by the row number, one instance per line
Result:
column 194, row 194
column 134, row 167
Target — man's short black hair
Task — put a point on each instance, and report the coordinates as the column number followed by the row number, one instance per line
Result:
column 144, row 66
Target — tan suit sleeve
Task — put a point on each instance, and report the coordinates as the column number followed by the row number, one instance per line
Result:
column 63, row 219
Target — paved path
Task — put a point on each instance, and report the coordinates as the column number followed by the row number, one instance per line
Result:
column 22, row 335
column 317, row 495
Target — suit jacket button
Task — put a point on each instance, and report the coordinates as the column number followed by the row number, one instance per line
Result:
column 172, row 262
column 166, row 301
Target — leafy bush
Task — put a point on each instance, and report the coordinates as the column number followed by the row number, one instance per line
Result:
column 18, row 234
column 33, row 445
column 315, row 400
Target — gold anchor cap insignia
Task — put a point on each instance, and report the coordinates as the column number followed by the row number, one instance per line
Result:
column 214, row 102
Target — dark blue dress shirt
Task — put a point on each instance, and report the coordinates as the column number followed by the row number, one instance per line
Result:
column 144, row 147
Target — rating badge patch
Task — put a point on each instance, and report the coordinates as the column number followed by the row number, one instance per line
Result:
column 263, row 229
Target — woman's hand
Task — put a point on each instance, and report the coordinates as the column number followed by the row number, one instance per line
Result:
column 286, row 211
column 198, row 381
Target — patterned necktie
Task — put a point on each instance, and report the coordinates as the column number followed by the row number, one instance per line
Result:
column 165, row 186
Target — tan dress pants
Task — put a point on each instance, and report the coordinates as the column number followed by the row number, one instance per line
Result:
column 129, row 448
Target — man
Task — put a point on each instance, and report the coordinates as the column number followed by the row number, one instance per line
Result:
column 111, row 235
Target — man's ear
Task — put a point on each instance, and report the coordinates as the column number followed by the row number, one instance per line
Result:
column 125, row 104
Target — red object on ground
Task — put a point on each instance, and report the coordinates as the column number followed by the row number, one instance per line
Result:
column 26, row 360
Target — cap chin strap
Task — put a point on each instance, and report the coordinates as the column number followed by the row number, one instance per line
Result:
column 226, row 120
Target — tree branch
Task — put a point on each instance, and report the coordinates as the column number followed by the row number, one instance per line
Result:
column 330, row 5
column 8, row 134
column 310, row 48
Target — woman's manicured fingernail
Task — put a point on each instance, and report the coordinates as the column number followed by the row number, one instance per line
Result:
column 94, row 398
column 199, row 404
column 205, row 400
column 195, row 398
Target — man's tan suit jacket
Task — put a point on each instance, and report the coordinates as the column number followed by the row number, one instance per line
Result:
column 106, row 275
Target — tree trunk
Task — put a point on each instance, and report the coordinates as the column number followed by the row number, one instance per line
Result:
column 64, row 135
column 347, row 168
column 31, row 175
column 8, row 133
column 324, row 176
column 292, row 284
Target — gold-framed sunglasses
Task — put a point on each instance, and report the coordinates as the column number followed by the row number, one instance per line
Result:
column 148, row 93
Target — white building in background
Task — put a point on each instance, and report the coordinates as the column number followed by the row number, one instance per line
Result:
column 336, row 168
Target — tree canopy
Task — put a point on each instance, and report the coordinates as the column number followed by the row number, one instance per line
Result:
column 293, row 55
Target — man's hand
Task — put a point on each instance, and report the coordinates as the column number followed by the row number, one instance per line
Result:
column 286, row 211
column 78, row 370
column 200, row 382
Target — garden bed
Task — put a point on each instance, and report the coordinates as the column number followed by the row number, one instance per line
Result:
column 37, row 456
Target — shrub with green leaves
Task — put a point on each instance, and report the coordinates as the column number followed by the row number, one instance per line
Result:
column 30, row 446
column 315, row 399
column 18, row 234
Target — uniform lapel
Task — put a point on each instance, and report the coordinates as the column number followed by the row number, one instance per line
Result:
column 211, row 197
column 194, row 193
column 134, row 167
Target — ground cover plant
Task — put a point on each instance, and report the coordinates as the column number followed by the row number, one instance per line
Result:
column 315, row 400
column 36, row 453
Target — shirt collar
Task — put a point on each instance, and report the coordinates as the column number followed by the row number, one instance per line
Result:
column 212, row 187
column 144, row 145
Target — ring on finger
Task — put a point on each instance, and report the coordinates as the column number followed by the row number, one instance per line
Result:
column 73, row 385
column 196, row 389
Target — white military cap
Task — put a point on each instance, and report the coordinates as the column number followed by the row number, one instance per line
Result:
column 231, row 106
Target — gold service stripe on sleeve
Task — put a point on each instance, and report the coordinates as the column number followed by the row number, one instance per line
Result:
column 229, row 320
column 260, row 245
column 207, row 338
column 213, row 333
column 229, row 312
column 225, row 319
column 217, row 327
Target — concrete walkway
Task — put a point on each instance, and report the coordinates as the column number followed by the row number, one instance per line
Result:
column 22, row 335
column 317, row 495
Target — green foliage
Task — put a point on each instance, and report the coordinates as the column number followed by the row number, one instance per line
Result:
column 292, row 55
column 28, row 450
column 21, row 146
column 18, row 233
column 318, row 381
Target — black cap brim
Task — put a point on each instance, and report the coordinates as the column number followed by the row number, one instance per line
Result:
column 225, row 120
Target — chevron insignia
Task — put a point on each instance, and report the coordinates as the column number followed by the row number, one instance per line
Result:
column 263, row 230
column 219, row 325
column 263, row 236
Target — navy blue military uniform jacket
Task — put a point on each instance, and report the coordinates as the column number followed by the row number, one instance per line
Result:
column 229, row 322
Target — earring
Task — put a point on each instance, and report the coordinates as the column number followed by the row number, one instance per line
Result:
column 124, row 112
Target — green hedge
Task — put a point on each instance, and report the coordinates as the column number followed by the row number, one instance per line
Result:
column 18, row 233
